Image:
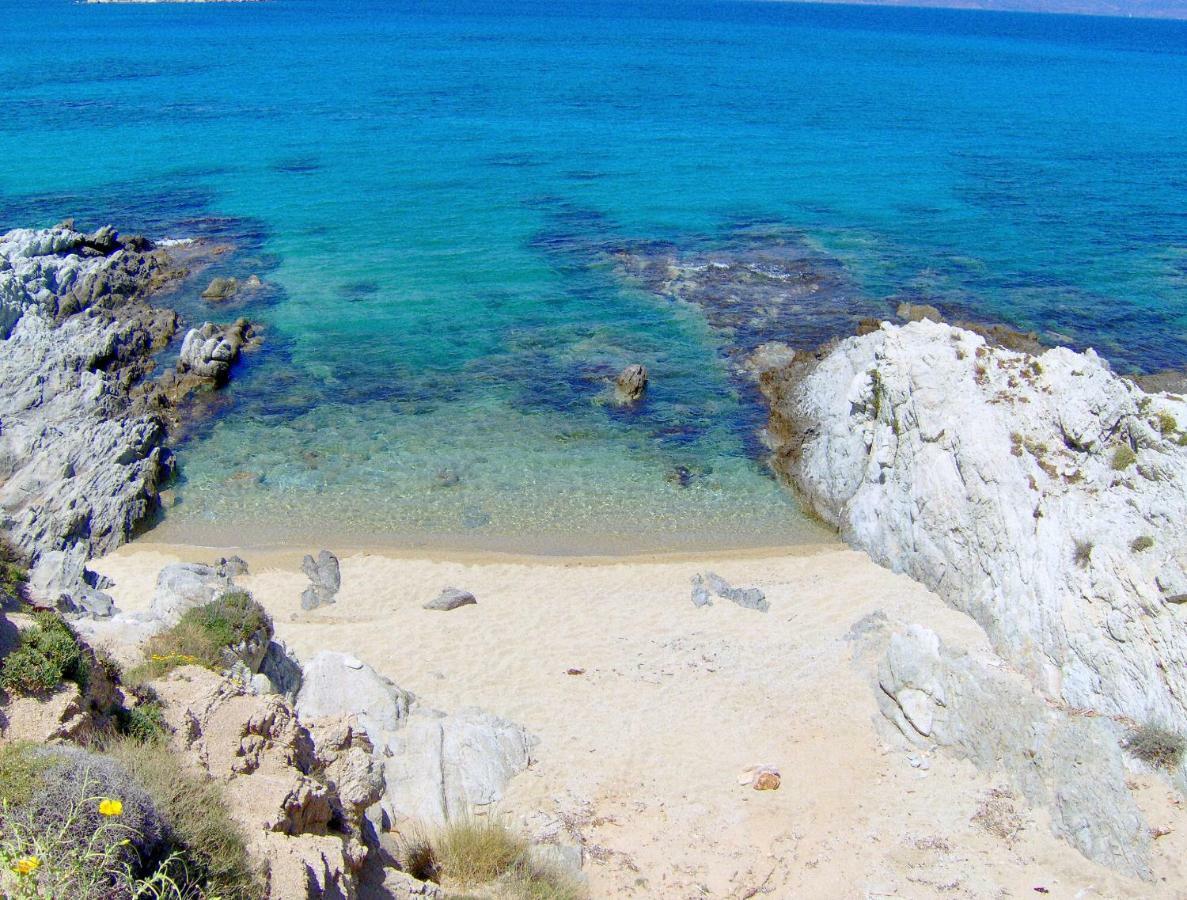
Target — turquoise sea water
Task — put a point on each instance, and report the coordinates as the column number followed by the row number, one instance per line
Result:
column 424, row 188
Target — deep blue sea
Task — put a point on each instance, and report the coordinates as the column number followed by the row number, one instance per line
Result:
column 425, row 188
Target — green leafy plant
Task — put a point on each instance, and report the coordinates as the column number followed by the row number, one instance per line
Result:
column 1138, row 544
column 48, row 654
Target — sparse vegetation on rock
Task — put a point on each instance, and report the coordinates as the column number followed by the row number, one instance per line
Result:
column 1123, row 458
column 1156, row 745
column 204, row 637
column 12, row 574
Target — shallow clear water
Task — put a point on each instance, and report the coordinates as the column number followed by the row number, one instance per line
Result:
column 425, row 190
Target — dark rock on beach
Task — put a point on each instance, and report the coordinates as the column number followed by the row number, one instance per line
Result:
column 451, row 598
column 325, row 578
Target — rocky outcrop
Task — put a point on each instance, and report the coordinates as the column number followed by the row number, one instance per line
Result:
column 1071, row 764
column 301, row 793
column 436, row 766
column 81, row 428
column 80, row 459
column 1044, row 495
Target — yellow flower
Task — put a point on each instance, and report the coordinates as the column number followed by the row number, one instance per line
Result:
column 26, row 865
column 111, row 808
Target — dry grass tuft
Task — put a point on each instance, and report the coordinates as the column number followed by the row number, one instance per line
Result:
column 471, row 853
column 1157, row 746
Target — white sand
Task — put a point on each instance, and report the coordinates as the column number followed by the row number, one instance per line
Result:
column 639, row 756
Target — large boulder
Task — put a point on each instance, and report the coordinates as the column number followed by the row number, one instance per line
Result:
column 338, row 684
column 1043, row 495
column 437, row 766
column 185, row 586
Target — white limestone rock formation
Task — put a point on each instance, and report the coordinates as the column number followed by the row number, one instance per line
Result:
column 1069, row 763
column 1043, row 495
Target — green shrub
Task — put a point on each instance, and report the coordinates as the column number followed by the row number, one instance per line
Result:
column 202, row 637
column 1082, row 555
column 1145, row 542
column 143, row 722
column 1123, row 457
column 231, row 619
column 84, row 825
column 1167, row 424
column 1157, row 746
column 47, row 655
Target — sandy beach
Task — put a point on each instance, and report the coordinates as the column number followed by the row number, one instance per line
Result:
column 648, row 708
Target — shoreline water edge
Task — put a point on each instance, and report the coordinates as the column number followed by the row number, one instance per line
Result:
column 1029, row 504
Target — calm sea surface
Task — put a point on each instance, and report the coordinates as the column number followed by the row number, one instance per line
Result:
column 429, row 191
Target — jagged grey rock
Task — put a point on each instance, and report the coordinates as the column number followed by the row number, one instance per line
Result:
column 60, row 579
column 1070, row 764
column 282, row 669
column 79, row 460
column 451, row 598
column 232, row 567
column 748, row 598
column 1014, row 486
column 325, row 576
column 436, row 766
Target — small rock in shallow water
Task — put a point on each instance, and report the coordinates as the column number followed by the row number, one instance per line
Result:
column 631, row 384
column 451, row 598
column 221, row 289
column 446, row 478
